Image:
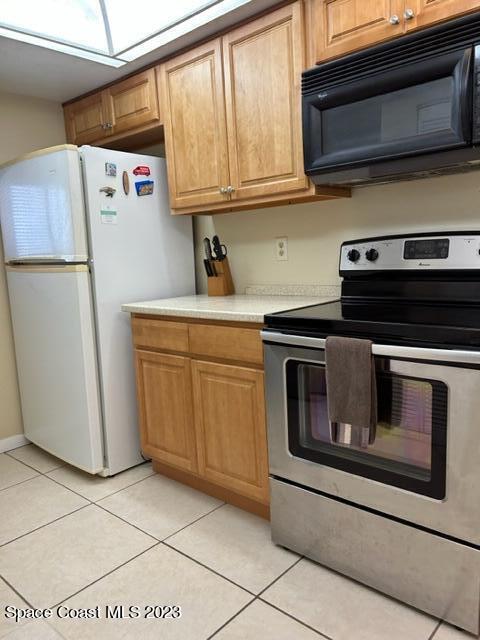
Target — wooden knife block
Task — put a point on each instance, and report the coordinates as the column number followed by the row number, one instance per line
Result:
column 222, row 283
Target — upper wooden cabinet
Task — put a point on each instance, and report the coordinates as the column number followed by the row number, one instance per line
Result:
column 263, row 62
column 85, row 119
column 133, row 102
column 124, row 107
column 343, row 26
column 195, row 132
column 233, row 127
column 427, row 12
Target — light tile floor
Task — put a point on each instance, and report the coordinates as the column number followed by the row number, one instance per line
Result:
column 71, row 541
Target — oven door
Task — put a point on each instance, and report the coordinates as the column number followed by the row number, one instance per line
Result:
column 411, row 109
column 423, row 465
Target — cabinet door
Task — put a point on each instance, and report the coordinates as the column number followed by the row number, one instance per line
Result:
column 427, row 12
column 343, row 26
column 164, row 394
column 134, row 102
column 85, row 119
column 195, row 133
column 230, row 427
column 263, row 62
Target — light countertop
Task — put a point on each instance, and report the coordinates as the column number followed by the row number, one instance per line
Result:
column 237, row 308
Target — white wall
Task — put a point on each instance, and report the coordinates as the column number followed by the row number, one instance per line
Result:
column 26, row 124
column 315, row 231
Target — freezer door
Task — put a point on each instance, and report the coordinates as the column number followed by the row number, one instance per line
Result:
column 140, row 252
column 42, row 211
column 56, row 360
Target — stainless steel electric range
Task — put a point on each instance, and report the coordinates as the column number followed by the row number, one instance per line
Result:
column 401, row 513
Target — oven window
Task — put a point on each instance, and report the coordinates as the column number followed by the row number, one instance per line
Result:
column 409, row 446
column 399, row 116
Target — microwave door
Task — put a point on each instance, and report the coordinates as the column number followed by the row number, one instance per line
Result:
column 408, row 110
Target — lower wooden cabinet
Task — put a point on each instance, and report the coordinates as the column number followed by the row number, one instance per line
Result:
column 164, row 391
column 202, row 408
column 230, row 427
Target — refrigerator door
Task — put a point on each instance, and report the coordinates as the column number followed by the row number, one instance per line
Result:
column 42, row 208
column 140, row 252
column 56, row 360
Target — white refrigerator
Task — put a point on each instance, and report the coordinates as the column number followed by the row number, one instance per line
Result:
column 85, row 230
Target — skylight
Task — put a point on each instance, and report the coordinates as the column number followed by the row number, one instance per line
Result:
column 128, row 27
column 112, row 32
column 77, row 22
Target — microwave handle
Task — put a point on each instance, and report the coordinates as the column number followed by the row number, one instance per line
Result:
column 382, row 350
column 465, row 72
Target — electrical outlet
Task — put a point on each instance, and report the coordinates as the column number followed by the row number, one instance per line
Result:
column 281, row 248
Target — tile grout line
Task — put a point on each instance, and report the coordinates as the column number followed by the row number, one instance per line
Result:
column 260, row 593
column 15, row 591
column 157, row 543
column 182, row 553
column 104, row 497
column 123, row 488
column 42, row 526
column 72, row 595
column 94, row 504
column 227, row 622
column 7, row 453
column 66, row 465
column 16, row 484
column 260, row 599
column 191, row 523
column 68, row 489
column 434, row 632
column 289, row 615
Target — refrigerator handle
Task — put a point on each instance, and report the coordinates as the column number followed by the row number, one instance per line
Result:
column 39, row 261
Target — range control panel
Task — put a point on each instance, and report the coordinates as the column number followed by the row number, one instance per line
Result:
column 424, row 252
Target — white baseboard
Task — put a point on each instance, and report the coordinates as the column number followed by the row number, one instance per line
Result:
column 7, row 444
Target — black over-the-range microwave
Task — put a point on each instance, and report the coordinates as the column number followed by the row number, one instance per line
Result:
column 405, row 109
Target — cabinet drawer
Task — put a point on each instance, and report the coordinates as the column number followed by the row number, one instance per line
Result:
column 160, row 334
column 231, row 343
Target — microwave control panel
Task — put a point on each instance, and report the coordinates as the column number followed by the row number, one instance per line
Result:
column 432, row 252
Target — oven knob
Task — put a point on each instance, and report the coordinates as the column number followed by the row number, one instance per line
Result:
column 353, row 255
column 371, row 255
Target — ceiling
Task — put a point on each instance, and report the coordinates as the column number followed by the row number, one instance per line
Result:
column 30, row 70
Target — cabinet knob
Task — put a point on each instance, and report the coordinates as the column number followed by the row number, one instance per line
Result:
column 230, row 189
column 223, row 190
column 108, row 125
column 394, row 20
column 409, row 14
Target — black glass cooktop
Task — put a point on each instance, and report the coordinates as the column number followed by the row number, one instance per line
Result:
column 452, row 324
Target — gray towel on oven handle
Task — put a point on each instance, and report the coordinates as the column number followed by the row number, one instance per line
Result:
column 351, row 382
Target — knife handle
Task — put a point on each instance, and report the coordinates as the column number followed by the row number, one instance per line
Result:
column 208, row 248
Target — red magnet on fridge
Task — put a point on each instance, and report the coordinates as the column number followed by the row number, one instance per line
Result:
column 141, row 170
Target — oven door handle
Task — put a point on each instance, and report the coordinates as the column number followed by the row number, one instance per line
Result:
column 384, row 350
